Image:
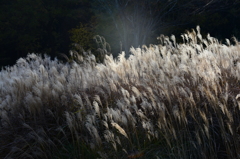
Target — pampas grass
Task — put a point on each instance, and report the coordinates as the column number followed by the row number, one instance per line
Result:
column 172, row 100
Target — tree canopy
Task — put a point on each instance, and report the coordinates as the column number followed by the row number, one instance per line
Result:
column 50, row 26
column 39, row 26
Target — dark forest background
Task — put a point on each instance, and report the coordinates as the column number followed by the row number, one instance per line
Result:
column 53, row 26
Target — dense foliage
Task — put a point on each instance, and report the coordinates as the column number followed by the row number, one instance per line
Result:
column 48, row 26
column 39, row 26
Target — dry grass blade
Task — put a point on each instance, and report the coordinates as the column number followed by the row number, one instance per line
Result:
column 120, row 129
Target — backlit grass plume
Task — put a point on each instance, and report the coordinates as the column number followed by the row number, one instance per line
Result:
column 166, row 101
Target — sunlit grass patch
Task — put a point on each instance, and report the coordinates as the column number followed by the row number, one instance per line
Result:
column 165, row 101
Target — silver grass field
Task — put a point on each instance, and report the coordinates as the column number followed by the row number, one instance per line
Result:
column 166, row 101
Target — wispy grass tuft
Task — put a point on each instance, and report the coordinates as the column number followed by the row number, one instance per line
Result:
column 172, row 100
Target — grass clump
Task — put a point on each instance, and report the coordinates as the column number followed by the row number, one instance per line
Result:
column 165, row 101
